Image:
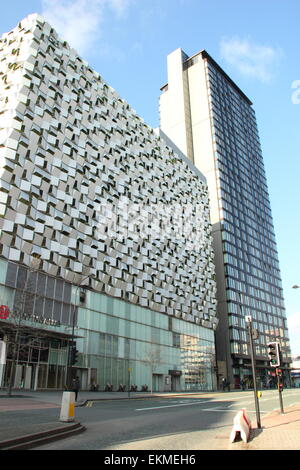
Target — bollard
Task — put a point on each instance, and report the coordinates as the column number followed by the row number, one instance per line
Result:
column 67, row 412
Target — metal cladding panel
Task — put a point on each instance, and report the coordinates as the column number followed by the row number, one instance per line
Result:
column 91, row 188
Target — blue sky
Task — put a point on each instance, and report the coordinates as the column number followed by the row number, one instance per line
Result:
column 255, row 41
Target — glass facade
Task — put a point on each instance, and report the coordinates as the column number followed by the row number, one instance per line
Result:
column 252, row 275
column 40, row 296
column 118, row 336
column 206, row 115
column 118, row 342
column 37, row 303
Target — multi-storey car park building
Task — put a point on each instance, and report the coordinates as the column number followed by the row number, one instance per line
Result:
column 105, row 232
column 206, row 115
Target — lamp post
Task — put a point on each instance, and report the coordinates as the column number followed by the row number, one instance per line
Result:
column 69, row 372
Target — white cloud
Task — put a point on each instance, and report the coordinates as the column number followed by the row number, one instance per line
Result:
column 119, row 6
column 79, row 21
column 296, row 94
column 293, row 322
column 250, row 59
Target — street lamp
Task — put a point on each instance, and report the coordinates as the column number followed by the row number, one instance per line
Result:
column 296, row 287
column 69, row 373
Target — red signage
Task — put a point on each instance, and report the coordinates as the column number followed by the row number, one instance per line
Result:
column 4, row 312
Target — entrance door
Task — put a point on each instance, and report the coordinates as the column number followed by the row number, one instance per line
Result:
column 175, row 383
column 18, row 383
column 34, row 377
column 27, row 379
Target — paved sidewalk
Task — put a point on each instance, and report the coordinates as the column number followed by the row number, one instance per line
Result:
column 278, row 432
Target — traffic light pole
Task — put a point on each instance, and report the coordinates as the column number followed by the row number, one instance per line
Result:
column 279, row 391
column 274, row 354
column 250, row 331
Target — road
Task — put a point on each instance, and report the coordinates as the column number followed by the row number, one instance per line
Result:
column 188, row 422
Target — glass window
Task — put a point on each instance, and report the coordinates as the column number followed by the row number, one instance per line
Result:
column 108, row 348
column 102, row 343
column 21, row 279
column 65, row 314
column 67, row 292
column 176, row 340
column 39, row 306
column 59, row 289
column 48, row 308
column 42, row 376
column 11, row 275
column 50, row 287
column 41, row 283
column 31, row 281
column 57, row 310
column 107, row 370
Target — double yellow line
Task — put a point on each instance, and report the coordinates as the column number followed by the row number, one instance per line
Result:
column 89, row 404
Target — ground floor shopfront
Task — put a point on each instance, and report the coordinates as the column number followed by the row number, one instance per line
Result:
column 36, row 361
column 265, row 375
column 45, row 366
column 118, row 343
column 122, row 343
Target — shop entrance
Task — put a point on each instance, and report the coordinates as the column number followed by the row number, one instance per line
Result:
column 175, row 383
column 38, row 365
column 175, row 380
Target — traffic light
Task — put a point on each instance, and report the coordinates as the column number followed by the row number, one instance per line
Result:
column 274, row 354
column 74, row 355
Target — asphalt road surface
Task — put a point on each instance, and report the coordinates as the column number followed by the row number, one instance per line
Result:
column 201, row 421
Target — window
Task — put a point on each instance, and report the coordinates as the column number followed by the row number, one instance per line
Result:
column 176, row 340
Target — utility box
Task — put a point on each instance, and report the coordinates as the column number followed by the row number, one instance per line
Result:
column 67, row 412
